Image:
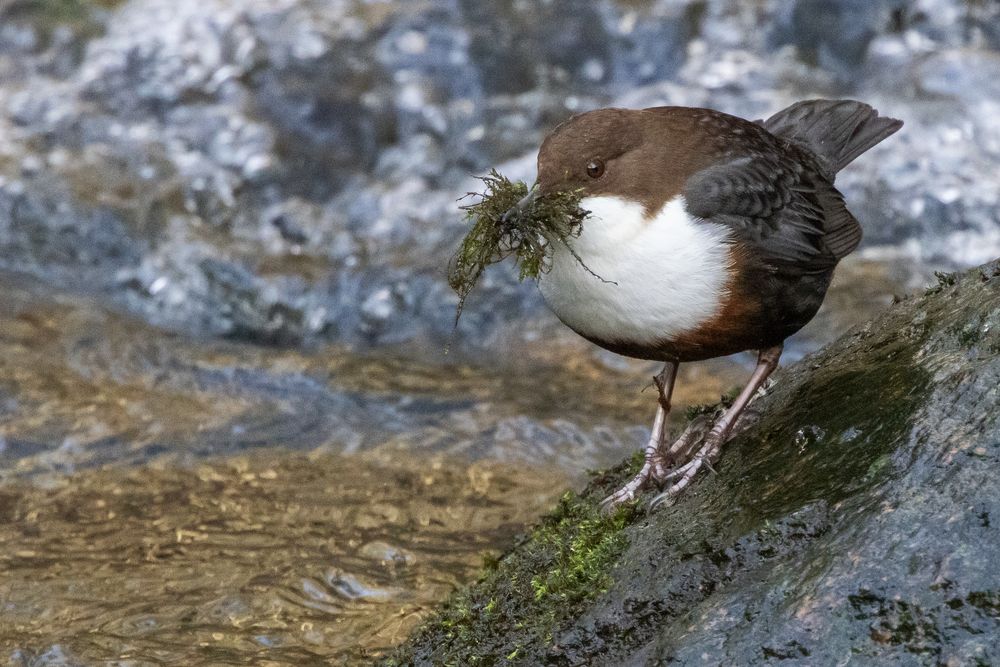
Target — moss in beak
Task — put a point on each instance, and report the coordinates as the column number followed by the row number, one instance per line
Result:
column 511, row 219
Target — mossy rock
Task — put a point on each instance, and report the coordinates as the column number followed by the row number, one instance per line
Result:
column 857, row 522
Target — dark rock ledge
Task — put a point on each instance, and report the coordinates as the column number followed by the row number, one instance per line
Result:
column 856, row 523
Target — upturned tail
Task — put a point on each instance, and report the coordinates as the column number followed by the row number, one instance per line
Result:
column 835, row 131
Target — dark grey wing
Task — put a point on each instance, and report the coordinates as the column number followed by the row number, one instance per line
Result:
column 783, row 208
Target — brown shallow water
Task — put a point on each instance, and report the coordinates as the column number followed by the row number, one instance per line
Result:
column 279, row 558
column 169, row 500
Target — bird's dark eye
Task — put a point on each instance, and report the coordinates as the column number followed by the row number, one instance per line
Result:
column 595, row 168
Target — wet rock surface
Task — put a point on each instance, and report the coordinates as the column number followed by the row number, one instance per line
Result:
column 854, row 522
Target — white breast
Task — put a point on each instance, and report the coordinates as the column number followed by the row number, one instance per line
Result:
column 666, row 275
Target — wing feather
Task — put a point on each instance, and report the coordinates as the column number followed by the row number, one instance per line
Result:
column 779, row 204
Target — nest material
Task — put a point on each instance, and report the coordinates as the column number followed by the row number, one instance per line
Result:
column 527, row 234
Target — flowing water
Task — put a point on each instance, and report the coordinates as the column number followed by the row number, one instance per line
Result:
column 273, row 558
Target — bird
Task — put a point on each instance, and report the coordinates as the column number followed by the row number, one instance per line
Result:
column 707, row 235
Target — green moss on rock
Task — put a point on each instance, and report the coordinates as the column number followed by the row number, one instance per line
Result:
column 584, row 545
column 565, row 562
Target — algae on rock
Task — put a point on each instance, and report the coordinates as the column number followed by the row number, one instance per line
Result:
column 855, row 522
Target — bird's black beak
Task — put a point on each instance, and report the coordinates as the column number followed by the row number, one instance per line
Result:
column 518, row 209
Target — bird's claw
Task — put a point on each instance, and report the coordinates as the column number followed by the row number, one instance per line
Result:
column 657, row 472
column 653, row 470
column 609, row 504
column 685, row 474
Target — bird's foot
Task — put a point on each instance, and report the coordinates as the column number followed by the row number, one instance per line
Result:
column 683, row 475
column 698, row 446
column 654, row 470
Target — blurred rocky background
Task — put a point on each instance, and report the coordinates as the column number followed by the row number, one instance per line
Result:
column 224, row 226
column 282, row 172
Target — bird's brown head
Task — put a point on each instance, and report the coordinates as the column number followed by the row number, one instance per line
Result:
column 591, row 153
column 643, row 156
column 638, row 155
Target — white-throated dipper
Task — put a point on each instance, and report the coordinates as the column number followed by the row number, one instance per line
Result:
column 708, row 235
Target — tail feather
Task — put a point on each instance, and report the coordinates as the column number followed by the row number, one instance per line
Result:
column 836, row 131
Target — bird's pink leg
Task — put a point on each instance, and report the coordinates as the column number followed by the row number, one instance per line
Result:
column 708, row 453
column 654, row 467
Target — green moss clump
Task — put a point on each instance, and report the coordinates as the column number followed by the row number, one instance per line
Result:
column 586, row 545
column 46, row 15
column 500, row 229
column 565, row 562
